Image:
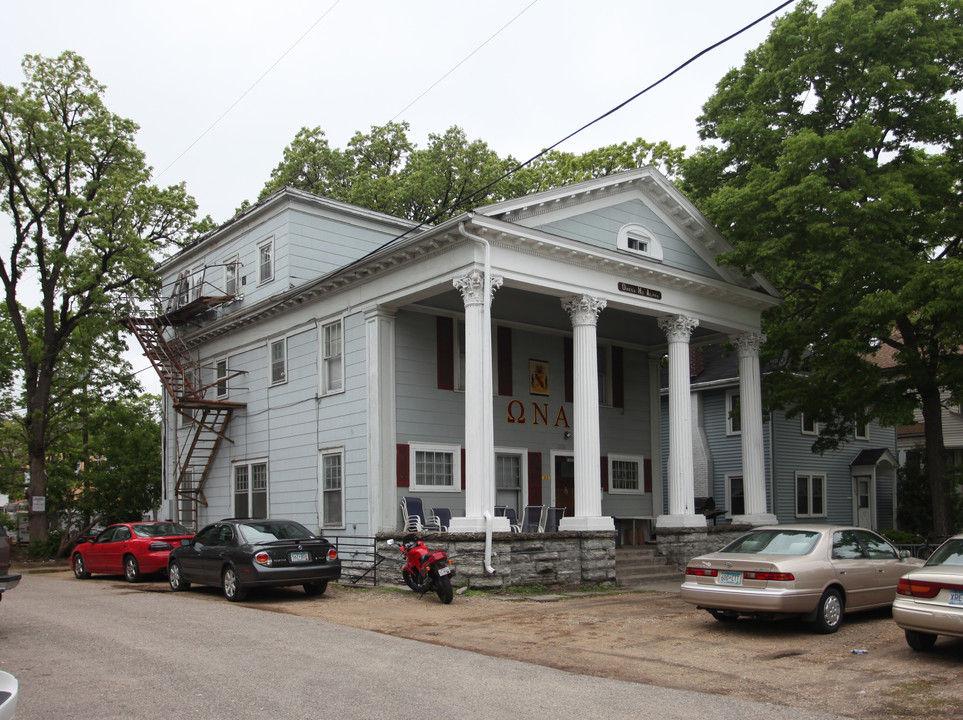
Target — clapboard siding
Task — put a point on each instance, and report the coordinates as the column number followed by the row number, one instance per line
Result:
column 600, row 228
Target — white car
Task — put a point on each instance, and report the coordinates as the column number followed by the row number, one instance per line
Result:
column 929, row 601
column 8, row 696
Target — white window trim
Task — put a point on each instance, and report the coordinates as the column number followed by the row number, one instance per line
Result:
column 812, row 477
column 268, row 242
column 730, row 430
column 322, row 454
column 219, row 379
column 861, row 431
column 638, row 460
column 232, row 263
column 635, row 230
column 523, row 453
column 270, row 361
column 728, row 495
column 414, row 486
column 322, row 360
column 802, row 426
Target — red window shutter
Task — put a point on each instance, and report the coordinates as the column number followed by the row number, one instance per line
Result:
column 504, row 360
column 618, row 378
column 445, row 332
column 568, row 353
column 534, row 478
column 463, row 468
column 605, row 473
column 401, row 465
column 647, row 473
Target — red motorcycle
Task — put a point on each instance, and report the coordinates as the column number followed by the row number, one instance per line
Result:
column 425, row 569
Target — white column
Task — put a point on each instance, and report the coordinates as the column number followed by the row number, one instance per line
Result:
column 750, row 415
column 479, row 429
column 678, row 330
column 382, row 478
column 584, row 311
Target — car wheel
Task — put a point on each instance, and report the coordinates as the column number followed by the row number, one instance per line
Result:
column 316, row 588
column 80, row 568
column 131, row 569
column 724, row 615
column 232, row 586
column 920, row 641
column 829, row 614
column 175, row 577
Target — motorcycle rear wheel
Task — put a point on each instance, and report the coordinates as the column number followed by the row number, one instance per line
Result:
column 443, row 588
column 412, row 582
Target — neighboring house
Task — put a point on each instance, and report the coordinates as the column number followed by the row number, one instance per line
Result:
column 323, row 361
column 854, row 484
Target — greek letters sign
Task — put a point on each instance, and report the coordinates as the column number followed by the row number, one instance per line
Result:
column 641, row 291
column 535, row 413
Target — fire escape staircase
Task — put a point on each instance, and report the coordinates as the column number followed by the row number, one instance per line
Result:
column 206, row 420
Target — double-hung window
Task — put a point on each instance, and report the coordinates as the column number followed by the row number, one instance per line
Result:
column 251, row 489
column 810, row 495
column 733, row 416
column 265, row 261
column 332, row 488
column 332, row 358
column 625, row 474
column 509, row 479
column 435, row 468
column 220, row 376
column 230, row 277
column 279, row 361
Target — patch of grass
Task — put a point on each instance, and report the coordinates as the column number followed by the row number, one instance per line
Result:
column 915, row 699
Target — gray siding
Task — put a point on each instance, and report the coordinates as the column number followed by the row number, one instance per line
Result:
column 600, row 228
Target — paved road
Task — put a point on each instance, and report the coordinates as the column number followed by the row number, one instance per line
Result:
column 101, row 649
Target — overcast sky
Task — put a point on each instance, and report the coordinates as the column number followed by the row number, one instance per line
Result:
column 220, row 88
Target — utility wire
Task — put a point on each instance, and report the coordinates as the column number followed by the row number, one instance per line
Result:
column 481, row 192
column 248, row 91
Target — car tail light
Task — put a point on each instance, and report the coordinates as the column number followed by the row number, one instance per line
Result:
column 701, row 572
column 332, row 554
column 918, row 588
column 768, row 575
column 159, row 545
column 263, row 558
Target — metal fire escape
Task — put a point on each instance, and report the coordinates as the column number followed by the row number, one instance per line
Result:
column 205, row 420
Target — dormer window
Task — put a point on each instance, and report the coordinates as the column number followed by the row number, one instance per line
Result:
column 638, row 240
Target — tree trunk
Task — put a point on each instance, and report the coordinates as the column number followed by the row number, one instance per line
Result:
column 936, row 463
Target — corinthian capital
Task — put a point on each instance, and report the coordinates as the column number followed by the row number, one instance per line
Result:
column 472, row 287
column 748, row 344
column 678, row 328
column 583, row 309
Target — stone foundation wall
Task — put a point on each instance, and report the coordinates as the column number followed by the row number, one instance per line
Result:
column 679, row 545
column 519, row 559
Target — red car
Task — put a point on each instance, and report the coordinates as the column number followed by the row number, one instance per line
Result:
column 134, row 549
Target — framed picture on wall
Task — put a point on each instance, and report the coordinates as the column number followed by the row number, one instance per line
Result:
column 538, row 377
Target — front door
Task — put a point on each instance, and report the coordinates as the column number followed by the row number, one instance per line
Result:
column 565, row 484
column 864, row 511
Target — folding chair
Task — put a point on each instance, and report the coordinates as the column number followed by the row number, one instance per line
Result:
column 440, row 518
column 555, row 515
column 513, row 519
column 534, row 518
column 413, row 511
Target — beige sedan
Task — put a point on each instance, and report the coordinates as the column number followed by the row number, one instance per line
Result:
column 818, row 572
column 929, row 601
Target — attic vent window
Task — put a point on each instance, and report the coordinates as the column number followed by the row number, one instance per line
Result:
column 639, row 241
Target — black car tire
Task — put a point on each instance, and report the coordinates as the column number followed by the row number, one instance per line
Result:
column 131, row 569
column 80, row 567
column 175, row 577
column 829, row 613
column 920, row 641
column 315, row 588
column 232, row 585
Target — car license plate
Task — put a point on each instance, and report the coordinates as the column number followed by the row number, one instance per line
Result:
column 299, row 557
column 956, row 597
column 444, row 571
column 729, row 578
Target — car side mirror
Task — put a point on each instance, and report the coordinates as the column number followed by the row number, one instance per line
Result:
column 903, row 554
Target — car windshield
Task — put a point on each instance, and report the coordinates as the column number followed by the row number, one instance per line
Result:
column 774, row 542
column 949, row 553
column 259, row 531
column 161, row 529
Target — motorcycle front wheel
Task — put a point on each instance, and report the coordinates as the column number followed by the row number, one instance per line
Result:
column 412, row 582
column 443, row 588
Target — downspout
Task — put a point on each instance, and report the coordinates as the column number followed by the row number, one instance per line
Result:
column 487, row 354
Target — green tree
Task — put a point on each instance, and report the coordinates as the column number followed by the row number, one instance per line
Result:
column 837, row 174
column 87, row 230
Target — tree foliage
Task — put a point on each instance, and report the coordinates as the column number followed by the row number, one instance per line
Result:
column 88, row 228
column 383, row 170
column 837, row 173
